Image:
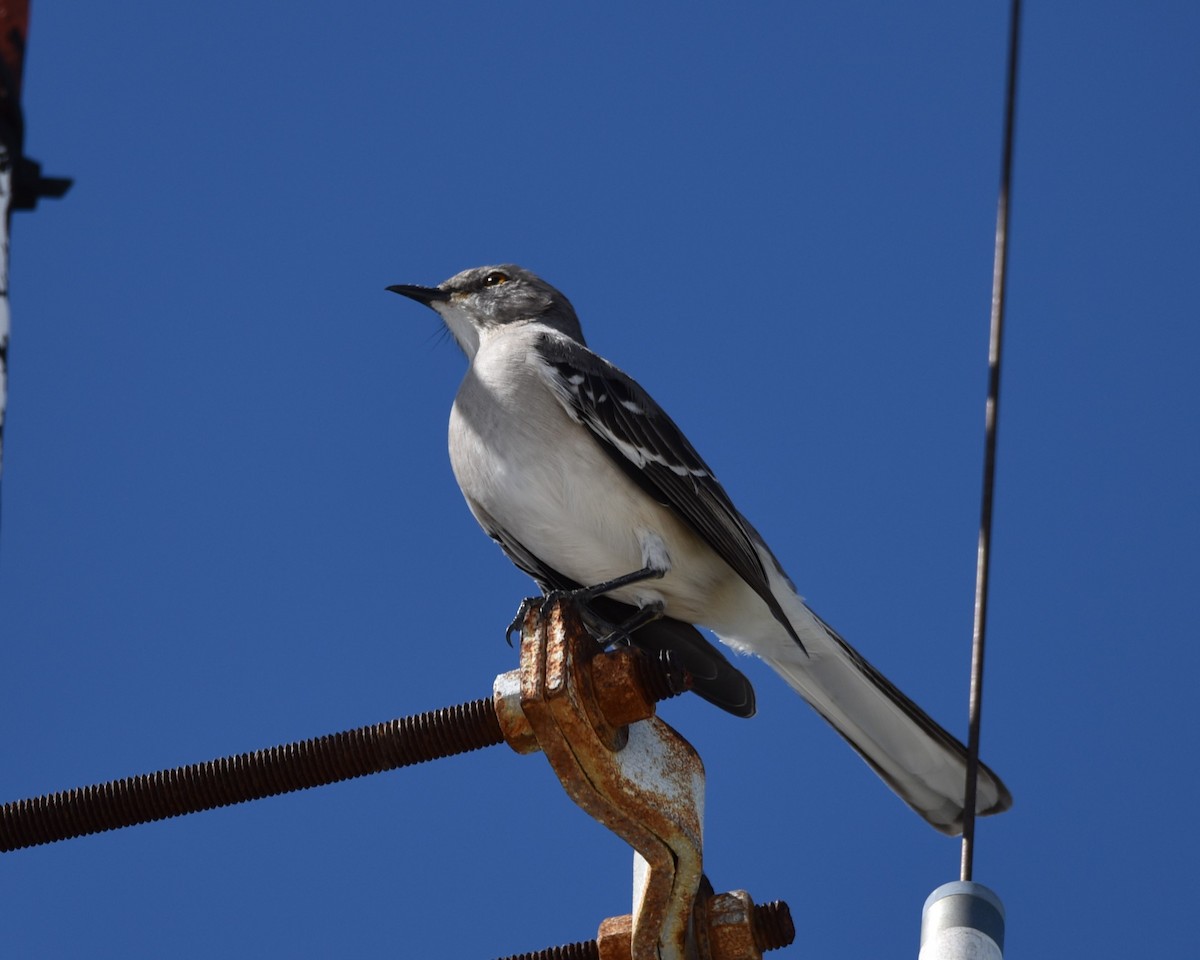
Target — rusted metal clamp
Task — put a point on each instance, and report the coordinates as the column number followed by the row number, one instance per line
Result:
column 641, row 779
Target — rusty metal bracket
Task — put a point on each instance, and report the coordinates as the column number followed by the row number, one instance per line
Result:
column 641, row 780
column 593, row 717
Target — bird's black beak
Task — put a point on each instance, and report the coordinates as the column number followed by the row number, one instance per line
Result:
column 425, row 295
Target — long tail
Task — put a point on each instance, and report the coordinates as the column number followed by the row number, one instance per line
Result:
column 915, row 756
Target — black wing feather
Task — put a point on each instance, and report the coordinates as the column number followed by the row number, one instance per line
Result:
column 646, row 444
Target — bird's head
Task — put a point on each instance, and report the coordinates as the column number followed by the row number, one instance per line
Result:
column 481, row 299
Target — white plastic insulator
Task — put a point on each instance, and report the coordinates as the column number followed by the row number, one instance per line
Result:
column 962, row 921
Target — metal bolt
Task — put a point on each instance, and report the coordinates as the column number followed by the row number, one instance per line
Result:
column 739, row 929
column 773, row 926
column 743, row 929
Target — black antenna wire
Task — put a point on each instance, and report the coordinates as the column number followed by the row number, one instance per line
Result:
column 983, row 557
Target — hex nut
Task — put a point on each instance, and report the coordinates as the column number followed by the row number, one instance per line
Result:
column 731, row 927
column 615, row 939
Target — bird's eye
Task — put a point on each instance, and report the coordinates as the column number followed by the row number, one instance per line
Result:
column 495, row 278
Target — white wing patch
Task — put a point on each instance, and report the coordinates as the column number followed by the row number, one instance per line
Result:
column 641, row 456
column 581, row 405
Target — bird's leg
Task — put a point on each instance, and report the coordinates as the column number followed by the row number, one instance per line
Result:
column 621, row 631
column 584, row 594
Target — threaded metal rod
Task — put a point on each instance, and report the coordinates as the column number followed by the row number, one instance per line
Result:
column 249, row 776
column 284, row 769
column 773, row 930
column 583, row 950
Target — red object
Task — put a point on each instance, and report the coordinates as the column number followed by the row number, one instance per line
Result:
column 14, row 28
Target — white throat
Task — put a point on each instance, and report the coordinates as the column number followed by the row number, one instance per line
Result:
column 460, row 326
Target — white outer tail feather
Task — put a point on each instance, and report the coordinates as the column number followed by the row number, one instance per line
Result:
column 922, row 762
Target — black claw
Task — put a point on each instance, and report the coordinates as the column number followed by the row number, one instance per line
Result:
column 552, row 598
column 518, row 622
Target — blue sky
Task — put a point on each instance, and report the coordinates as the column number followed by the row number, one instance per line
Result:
column 229, row 520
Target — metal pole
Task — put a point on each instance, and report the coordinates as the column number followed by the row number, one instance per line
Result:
column 965, row 920
column 991, row 417
column 14, row 24
column 21, row 180
column 5, row 323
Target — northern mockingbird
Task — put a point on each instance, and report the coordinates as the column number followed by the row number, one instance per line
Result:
column 589, row 487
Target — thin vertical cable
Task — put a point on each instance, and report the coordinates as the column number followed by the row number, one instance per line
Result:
column 983, row 556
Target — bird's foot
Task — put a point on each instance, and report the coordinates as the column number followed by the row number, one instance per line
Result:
column 581, row 595
column 578, row 597
column 543, row 604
